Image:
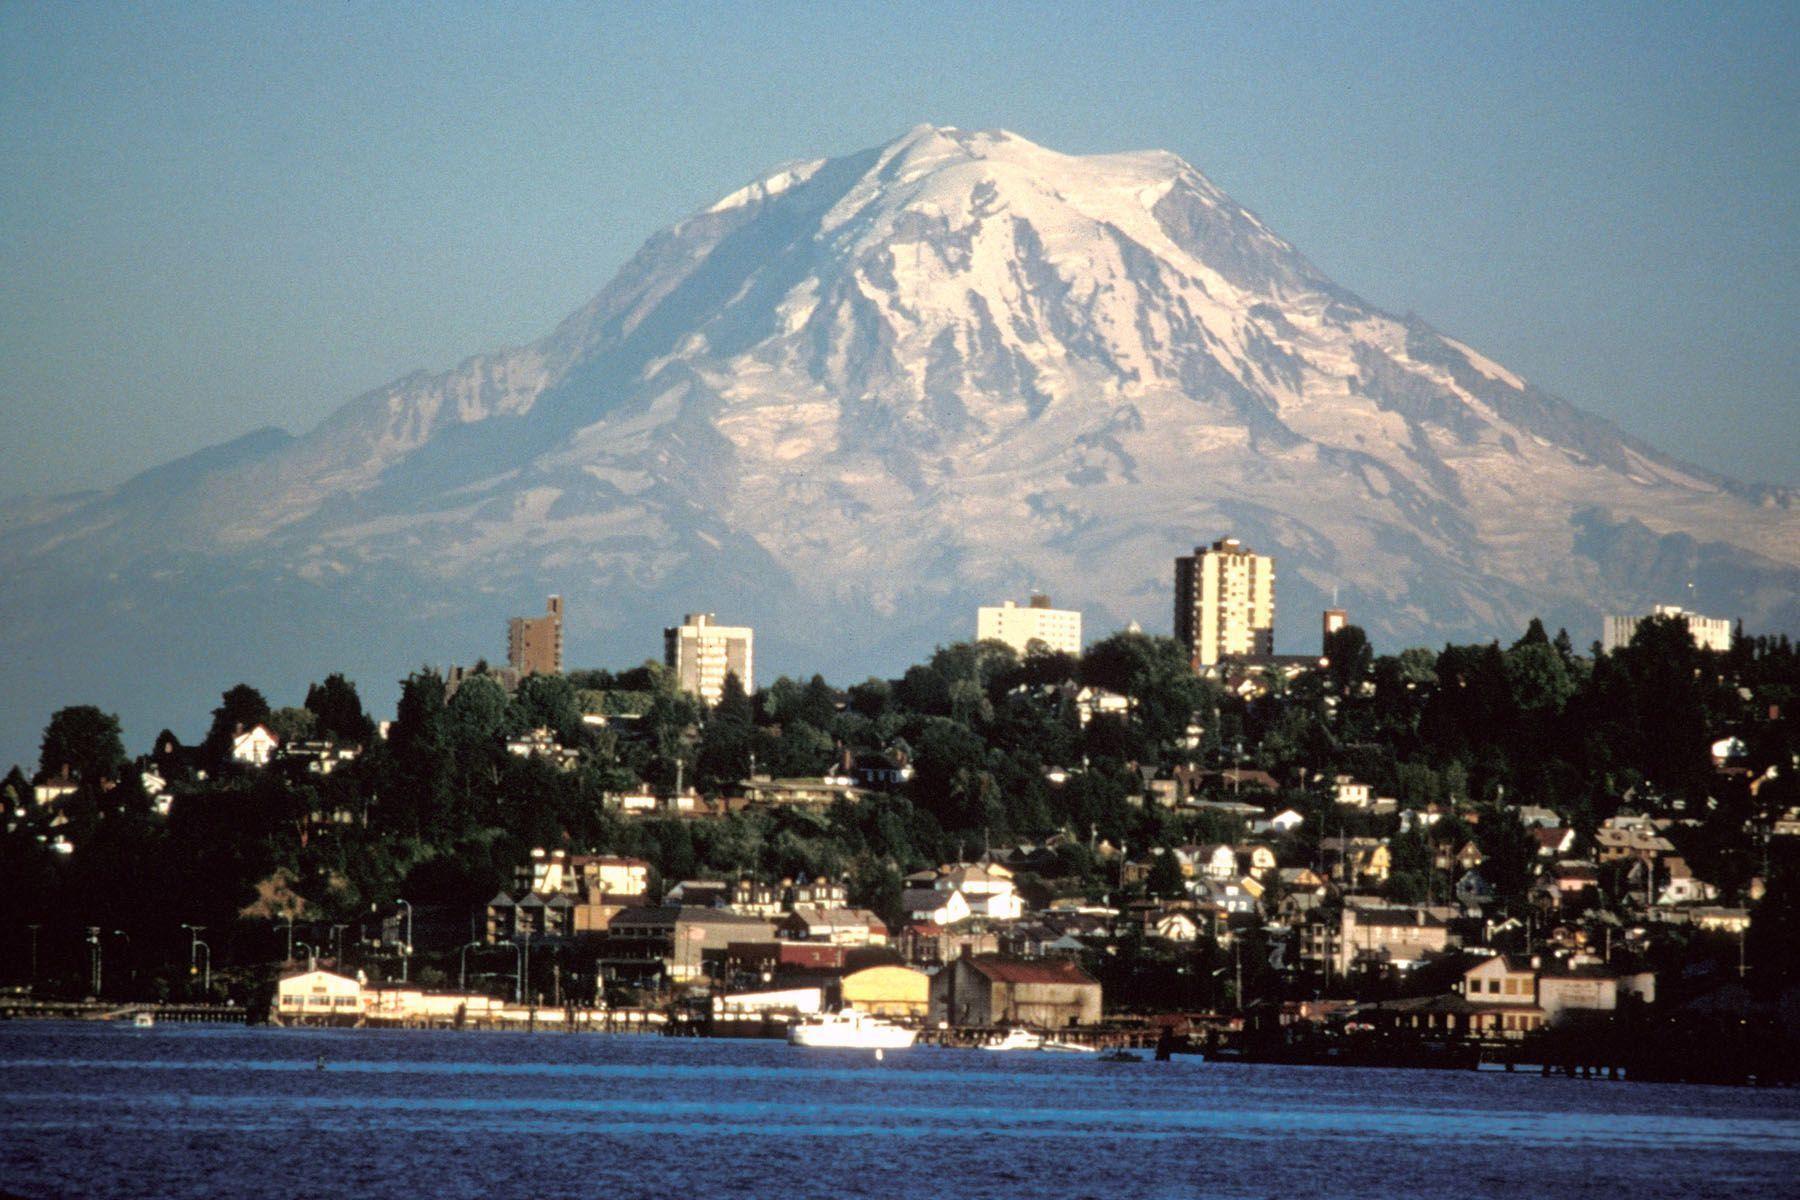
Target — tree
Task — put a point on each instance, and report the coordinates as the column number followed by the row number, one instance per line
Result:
column 1165, row 881
column 241, row 708
column 292, row 724
column 548, row 702
column 1350, row 657
column 86, row 741
column 339, row 711
column 728, row 741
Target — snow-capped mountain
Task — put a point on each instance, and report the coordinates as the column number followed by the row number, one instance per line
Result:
column 852, row 400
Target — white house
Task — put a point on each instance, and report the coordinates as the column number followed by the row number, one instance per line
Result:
column 1349, row 792
column 254, row 747
column 318, row 997
column 1216, row 862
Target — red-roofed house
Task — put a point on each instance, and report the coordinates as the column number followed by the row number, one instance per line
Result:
column 988, row 989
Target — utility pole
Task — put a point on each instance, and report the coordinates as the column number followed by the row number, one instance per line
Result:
column 1237, row 959
column 406, row 948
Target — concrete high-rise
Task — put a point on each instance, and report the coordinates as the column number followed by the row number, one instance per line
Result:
column 534, row 645
column 1225, row 602
column 702, row 652
column 1059, row 629
column 1709, row 633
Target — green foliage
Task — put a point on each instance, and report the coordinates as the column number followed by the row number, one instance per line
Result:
column 86, row 741
column 339, row 712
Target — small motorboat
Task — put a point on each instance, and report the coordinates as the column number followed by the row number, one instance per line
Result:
column 1120, row 1056
column 1015, row 1038
column 142, row 1020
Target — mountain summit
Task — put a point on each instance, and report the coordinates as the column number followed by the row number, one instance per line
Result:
column 851, row 400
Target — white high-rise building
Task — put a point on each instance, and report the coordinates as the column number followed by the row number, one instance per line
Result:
column 1225, row 602
column 1709, row 633
column 1058, row 629
column 702, row 652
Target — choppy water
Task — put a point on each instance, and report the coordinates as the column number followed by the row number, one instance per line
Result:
column 89, row 1110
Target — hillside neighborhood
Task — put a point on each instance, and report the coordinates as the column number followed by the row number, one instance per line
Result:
column 1479, row 843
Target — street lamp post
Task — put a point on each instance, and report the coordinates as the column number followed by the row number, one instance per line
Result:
column 32, row 986
column 462, row 969
column 194, row 932
column 206, row 984
column 311, row 956
column 337, row 945
column 289, row 926
column 94, row 955
column 406, row 948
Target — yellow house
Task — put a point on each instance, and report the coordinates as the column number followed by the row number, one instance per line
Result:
column 888, row 991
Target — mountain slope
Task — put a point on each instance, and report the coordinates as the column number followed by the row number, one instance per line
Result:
column 857, row 397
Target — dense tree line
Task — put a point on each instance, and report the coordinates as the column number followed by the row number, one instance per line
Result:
column 1003, row 749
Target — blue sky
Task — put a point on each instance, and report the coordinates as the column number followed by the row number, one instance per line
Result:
column 218, row 217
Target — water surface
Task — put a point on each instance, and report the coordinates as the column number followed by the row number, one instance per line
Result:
column 184, row 1111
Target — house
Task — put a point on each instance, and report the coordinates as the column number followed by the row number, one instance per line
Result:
column 957, row 891
column 53, row 788
column 888, row 990
column 1231, row 897
column 988, row 989
column 1501, row 993
column 1588, row 986
column 1255, row 861
column 318, row 757
column 253, row 747
column 1729, row 750
column 838, row 926
column 1552, row 840
column 1216, row 862
column 821, row 893
column 1349, row 792
column 803, row 791
column 1356, row 859
column 1682, row 887
column 1473, row 891
column 1621, row 838
column 1285, row 821
column 559, row 895
column 1721, row 920
column 542, row 744
column 1534, row 816
column 1383, row 938
column 926, row 944
column 1172, row 924
column 676, row 945
column 318, row 998
column 1091, row 702
column 772, row 1002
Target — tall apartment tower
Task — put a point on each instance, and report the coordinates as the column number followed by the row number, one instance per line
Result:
column 702, row 652
column 534, row 644
column 1332, row 620
column 1059, row 629
column 1225, row 602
